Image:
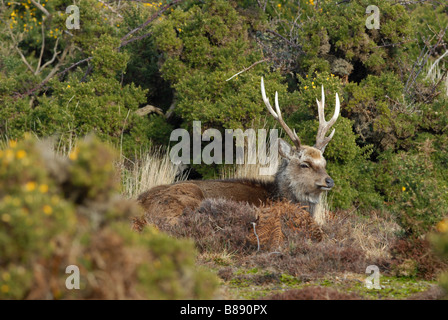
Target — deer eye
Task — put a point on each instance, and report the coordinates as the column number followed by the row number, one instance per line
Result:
column 304, row 165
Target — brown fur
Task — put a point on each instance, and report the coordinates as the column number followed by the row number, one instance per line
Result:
column 301, row 177
column 292, row 182
column 171, row 200
column 251, row 191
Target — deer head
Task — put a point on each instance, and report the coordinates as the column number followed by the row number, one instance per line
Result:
column 302, row 175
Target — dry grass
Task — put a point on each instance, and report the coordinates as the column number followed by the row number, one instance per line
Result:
column 246, row 170
column 375, row 235
column 435, row 71
column 322, row 210
column 153, row 168
column 223, row 233
column 250, row 171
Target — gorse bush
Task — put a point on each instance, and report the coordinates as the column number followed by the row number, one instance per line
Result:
column 413, row 184
column 202, row 48
column 95, row 101
column 203, row 60
column 57, row 211
column 336, row 38
column 440, row 244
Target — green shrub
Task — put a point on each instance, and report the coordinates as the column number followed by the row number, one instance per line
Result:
column 440, row 244
column 335, row 39
column 347, row 162
column 57, row 211
column 202, row 48
column 414, row 184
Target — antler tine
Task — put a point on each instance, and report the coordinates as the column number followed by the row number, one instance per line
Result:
column 266, row 101
column 278, row 115
column 324, row 126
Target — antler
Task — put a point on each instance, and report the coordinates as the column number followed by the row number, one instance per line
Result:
column 324, row 126
column 278, row 115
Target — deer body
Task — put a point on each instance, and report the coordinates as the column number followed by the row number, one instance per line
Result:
column 300, row 178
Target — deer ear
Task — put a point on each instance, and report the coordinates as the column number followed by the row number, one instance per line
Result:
column 285, row 149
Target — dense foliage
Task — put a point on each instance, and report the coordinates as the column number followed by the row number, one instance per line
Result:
column 57, row 211
column 390, row 148
column 440, row 243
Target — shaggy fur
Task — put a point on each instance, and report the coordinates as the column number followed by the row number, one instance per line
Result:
column 170, row 201
column 300, row 178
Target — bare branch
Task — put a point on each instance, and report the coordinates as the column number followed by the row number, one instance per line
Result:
column 58, row 65
column 256, row 235
column 39, row 62
column 147, row 110
column 126, row 42
column 292, row 44
column 423, row 58
column 41, row 8
column 16, row 47
column 110, row 8
column 151, row 19
column 248, row 68
column 55, row 54
column 170, row 110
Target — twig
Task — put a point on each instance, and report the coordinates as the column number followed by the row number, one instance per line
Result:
column 262, row 6
column 53, row 72
column 74, row 65
column 170, row 110
column 292, row 44
column 55, row 54
column 248, row 68
column 124, row 42
column 122, row 131
column 151, row 19
column 43, row 44
column 408, row 2
column 394, row 44
column 428, row 53
column 256, row 235
column 110, row 8
column 41, row 8
column 89, row 69
column 16, row 46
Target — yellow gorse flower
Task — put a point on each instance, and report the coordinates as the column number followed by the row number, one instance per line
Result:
column 12, row 143
column 74, row 154
column 21, row 154
column 442, row 226
column 43, row 188
column 30, row 186
column 47, row 209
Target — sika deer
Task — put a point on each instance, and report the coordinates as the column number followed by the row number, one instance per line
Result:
column 300, row 178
